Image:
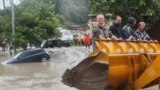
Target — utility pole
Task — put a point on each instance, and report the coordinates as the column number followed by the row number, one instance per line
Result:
column 13, row 24
column 4, row 5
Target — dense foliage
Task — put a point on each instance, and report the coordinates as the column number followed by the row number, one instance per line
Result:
column 35, row 21
column 75, row 11
column 147, row 10
column 71, row 12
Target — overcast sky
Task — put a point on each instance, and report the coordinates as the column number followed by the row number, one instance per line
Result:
column 7, row 3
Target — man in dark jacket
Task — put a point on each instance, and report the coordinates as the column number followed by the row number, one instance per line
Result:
column 128, row 31
column 116, row 28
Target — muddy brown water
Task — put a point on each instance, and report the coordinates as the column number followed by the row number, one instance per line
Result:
column 41, row 75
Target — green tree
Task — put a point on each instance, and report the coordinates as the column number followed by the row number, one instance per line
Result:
column 5, row 25
column 35, row 21
column 148, row 10
column 74, row 11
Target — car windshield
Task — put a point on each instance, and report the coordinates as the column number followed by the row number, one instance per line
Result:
column 17, row 55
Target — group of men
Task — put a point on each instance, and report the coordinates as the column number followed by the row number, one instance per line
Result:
column 117, row 32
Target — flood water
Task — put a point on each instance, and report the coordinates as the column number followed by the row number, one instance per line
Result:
column 41, row 75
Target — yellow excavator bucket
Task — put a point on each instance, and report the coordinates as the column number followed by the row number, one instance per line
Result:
column 117, row 65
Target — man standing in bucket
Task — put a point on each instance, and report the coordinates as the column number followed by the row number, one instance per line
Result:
column 128, row 29
column 141, row 33
column 100, row 31
column 116, row 28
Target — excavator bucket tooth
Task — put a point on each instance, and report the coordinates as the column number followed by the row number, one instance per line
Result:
column 68, row 77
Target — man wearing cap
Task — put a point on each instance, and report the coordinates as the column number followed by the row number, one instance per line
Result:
column 100, row 31
column 128, row 31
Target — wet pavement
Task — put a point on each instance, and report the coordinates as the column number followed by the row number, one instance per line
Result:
column 41, row 75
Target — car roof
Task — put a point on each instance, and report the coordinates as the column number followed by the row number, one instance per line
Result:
column 64, row 30
column 35, row 49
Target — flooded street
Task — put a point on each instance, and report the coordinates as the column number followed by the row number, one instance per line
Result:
column 41, row 75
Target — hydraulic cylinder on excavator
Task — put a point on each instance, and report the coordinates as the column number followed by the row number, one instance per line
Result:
column 117, row 65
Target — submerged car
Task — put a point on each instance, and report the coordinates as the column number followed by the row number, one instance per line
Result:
column 30, row 55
